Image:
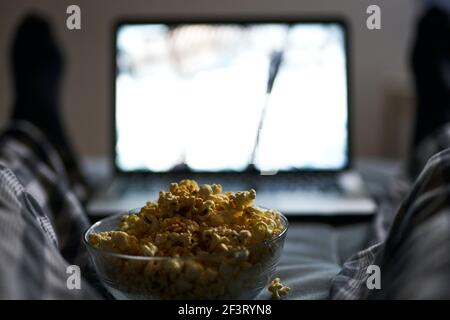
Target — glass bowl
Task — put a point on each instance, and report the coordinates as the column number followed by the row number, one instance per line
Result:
column 238, row 274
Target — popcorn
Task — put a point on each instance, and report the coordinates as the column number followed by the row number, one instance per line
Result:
column 244, row 235
column 278, row 289
column 191, row 221
column 124, row 242
column 149, row 249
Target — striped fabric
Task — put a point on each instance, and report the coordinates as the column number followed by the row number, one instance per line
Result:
column 41, row 220
column 413, row 251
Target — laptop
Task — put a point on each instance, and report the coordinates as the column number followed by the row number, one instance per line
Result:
column 249, row 104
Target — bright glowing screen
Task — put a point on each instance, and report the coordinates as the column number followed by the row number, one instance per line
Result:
column 195, row 96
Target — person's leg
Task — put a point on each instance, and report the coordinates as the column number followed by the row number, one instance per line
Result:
column 431, row 71
column 415, row 255
column 431, row 68
column 37, row 70
column 415, row 258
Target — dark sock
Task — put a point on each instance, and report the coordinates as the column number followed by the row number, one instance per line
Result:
column 431, row 68
column 37, row 68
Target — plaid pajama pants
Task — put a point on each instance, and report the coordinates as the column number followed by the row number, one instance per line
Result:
column 413, row 250
column 41, row 220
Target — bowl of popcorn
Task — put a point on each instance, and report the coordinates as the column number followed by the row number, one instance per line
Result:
column 193, row 242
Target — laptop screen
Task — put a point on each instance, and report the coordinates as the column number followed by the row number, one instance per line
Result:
column 221, row 97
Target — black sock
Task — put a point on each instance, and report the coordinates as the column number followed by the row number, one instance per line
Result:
column 431, row 68
column 37, row 68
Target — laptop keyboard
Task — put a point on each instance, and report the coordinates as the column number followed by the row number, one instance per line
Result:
column 322, row 184
column 273, row 184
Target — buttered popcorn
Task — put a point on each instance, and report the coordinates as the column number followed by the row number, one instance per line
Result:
column 192, row 221
column 278, row 289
